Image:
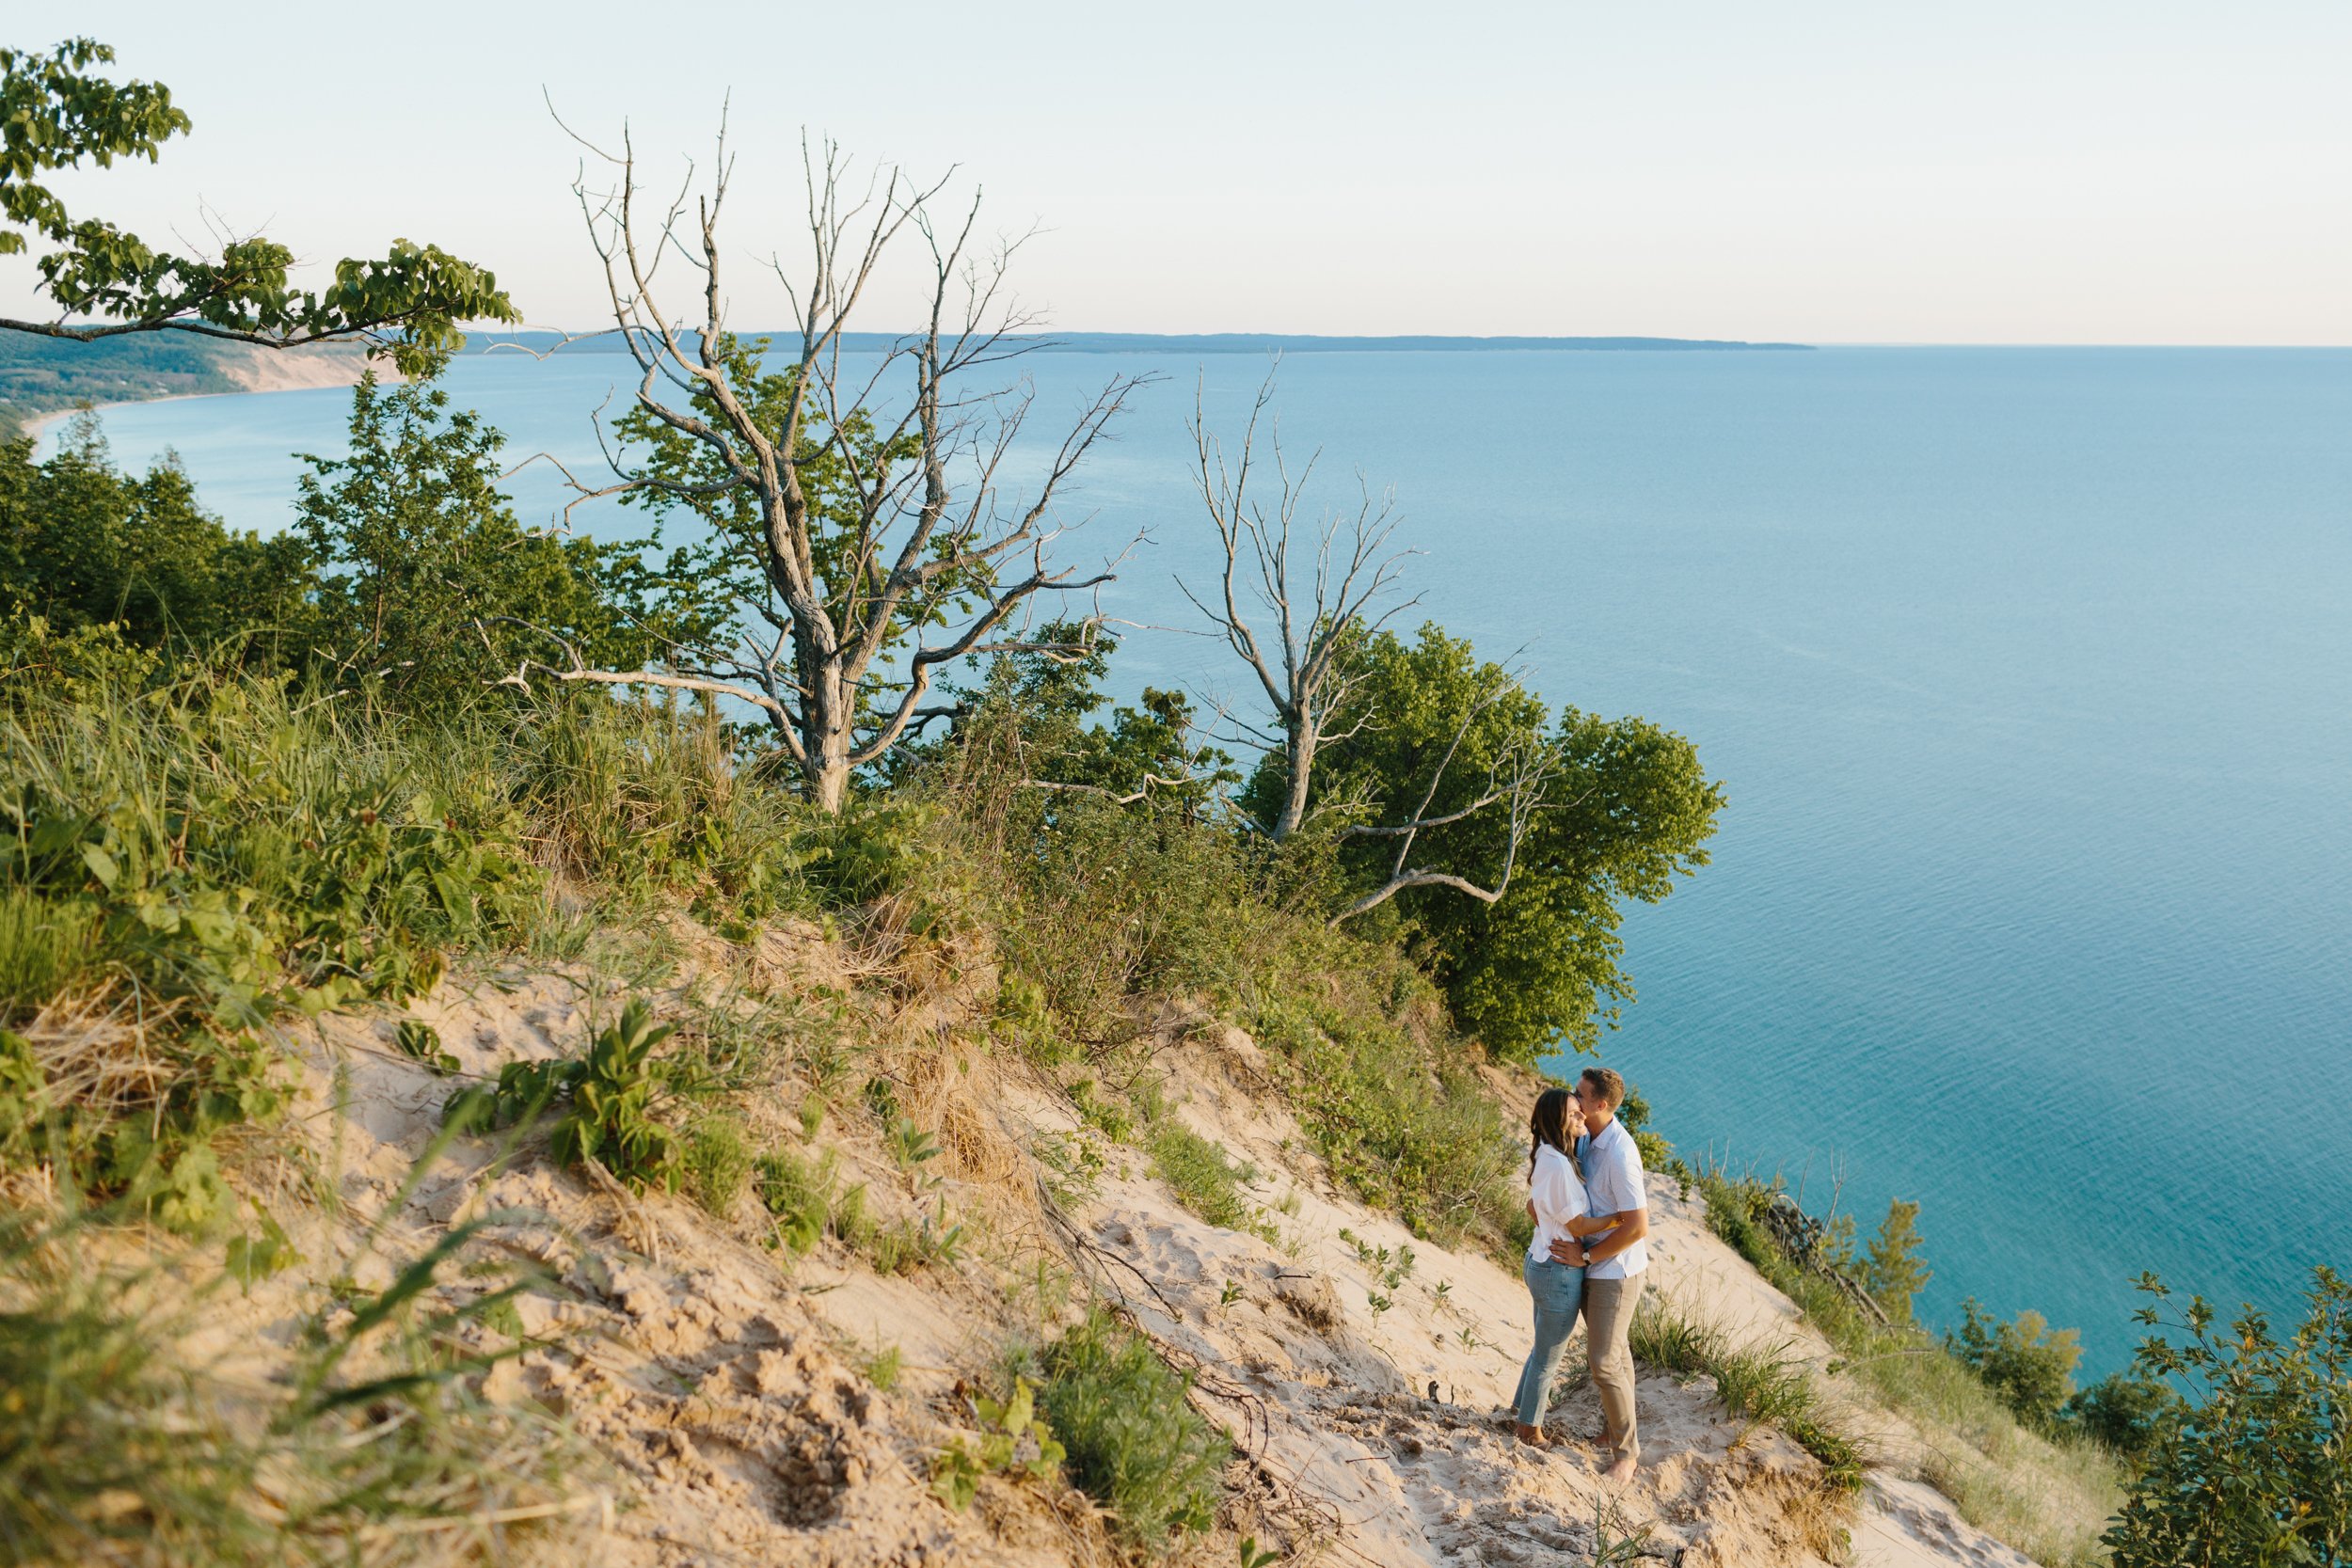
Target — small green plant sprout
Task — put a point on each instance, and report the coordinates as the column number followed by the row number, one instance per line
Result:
column 1012, row 1442
column 882, row 1367
column 1391, row 1269
column 1468, row 1338
column 943, row 1243
column 258, row 1255
column 1231, row 1294
column 419, row 1041
column 1379, row 1304
column 909, row 1146
column 1252, row 1558
column 1442, row 1293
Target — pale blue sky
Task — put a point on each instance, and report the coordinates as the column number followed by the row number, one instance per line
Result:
column 1998, row 172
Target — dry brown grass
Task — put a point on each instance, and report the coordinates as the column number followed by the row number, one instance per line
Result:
column 103, row 1051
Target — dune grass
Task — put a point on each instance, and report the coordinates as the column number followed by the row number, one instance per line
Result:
column 2051, row 1495
column 1768, row 1384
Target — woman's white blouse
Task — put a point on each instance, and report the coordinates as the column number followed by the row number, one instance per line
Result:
column 1559, row 1198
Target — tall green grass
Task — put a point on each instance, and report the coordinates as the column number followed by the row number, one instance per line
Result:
column 118, row 1444
column 1768, row 1384
column 194, row 858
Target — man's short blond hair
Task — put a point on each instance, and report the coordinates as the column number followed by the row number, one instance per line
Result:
column 1610, row 1084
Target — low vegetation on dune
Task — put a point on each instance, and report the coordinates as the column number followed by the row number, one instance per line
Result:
column 203, row 863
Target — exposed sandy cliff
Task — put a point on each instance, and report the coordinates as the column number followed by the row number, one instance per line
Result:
column 724, row 1385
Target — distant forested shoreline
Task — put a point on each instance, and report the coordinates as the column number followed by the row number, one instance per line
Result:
column 42, row 375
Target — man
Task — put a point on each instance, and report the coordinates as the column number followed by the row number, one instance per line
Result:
column 1613, row 1260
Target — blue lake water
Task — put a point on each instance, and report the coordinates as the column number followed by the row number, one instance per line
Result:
column 2029, row 674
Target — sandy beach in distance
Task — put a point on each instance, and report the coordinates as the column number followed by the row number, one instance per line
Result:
column 259, row 370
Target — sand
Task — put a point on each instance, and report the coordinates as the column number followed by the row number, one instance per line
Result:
column 722, row 1383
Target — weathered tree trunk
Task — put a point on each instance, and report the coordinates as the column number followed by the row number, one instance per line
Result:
column 1298, row 762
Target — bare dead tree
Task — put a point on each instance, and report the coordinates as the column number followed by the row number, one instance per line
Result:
column 1313, row 617
column 864, row 592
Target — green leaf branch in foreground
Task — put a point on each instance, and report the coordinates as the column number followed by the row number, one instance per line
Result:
column 2256, row 1469
column 57, row 115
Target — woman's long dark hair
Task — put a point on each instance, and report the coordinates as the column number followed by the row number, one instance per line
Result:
column 1548, row 1124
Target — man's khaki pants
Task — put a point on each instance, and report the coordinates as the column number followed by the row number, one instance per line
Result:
column 1608, row 1319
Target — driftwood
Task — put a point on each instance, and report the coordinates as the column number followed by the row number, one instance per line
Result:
column 1800, row 1236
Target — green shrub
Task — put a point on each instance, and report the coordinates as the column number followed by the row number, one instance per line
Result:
column 228, row 854
column 647, row 800
column 1111, row 903
column 1893, row 1268
column 2256, row 1468
column 606, row 1099
column 808, row 1201
column 1134, row 1440
column 2128, row 1414
column 2047, row 1495
column 2025, row 1361
column 1407, row 1128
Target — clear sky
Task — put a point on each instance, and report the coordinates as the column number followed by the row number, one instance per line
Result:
column 2053, row 171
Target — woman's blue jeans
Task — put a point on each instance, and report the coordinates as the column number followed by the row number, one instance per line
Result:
column 1559, row 1290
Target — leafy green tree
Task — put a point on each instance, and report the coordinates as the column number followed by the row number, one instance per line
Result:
column 2028, row 1364
column 1032, row 721
column 2256, row 1469
column 1626, row 810
column 1892, row 1268
column 429, row 585
column 2129, row 1413
column 84, row 545
column 57, row 115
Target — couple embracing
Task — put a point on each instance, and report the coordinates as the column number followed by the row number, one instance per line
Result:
column 1590, row 1214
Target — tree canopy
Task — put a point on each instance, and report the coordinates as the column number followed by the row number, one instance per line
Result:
column 1627, row 811
column 85, row 544
column 56, row 113
column 428, row 583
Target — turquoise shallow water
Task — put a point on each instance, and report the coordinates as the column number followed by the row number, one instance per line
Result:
column 2030, row 674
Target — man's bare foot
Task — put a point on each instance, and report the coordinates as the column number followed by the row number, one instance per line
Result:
column 1532, row 1436
column 1622, row 1471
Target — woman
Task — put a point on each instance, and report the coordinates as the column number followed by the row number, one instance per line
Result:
column 1556, row 1203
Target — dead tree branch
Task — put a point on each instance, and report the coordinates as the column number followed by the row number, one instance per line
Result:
column 1312, row 616
column 883, row 543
